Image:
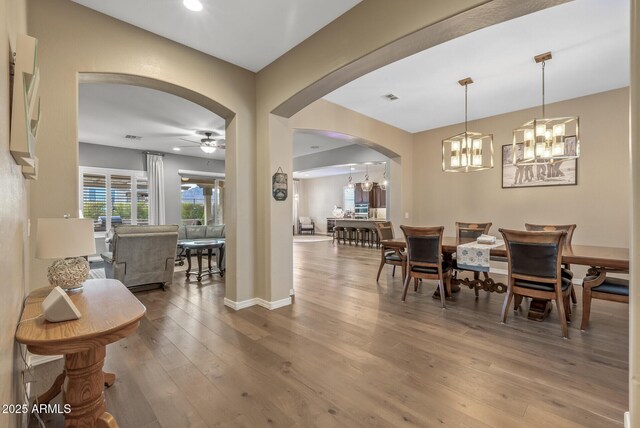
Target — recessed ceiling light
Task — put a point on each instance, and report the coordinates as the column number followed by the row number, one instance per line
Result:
column 193, row 5
column 176, row 149
column 306, row 175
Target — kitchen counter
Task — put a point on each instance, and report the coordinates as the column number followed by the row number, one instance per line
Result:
column 357, row 219
column 365, row 223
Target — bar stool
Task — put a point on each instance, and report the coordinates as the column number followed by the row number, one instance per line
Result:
column 338, row 232
column 362, row 235
column 349, row 234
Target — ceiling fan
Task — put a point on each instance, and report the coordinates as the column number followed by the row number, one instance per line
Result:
column 212, row 141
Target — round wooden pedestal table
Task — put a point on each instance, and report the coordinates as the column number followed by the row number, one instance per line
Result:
column 110, row 312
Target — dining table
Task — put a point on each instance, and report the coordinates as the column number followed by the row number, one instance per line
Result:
column 596, row 258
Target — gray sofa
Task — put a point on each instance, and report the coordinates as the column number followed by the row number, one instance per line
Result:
column 142, row 255
column 198, row 233
column 194, row 233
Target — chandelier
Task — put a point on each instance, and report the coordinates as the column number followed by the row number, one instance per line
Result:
column 468, row 151
column 546, row 140
column 367, row 185
column 350, row 184
column 384, row 183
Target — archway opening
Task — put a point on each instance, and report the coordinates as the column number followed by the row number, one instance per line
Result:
column 124, row 123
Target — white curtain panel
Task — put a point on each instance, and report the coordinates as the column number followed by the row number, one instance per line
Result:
column 296, row 203
column 155, row 177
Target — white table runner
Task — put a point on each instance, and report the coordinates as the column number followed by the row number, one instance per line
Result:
column 474, row 256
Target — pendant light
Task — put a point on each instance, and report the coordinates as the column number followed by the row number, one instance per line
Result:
column 384, row 183
column 468, row 151
column 546, row 140
column 350, row 184
column 367, row 185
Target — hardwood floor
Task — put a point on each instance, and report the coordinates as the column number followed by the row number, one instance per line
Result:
column 348, row 352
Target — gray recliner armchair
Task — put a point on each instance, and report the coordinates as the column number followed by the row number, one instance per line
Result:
column 142, row 255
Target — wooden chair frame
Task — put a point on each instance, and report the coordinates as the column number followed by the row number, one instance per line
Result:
column 443, row 278
column 569, row 228
column 588, row 294
column 561, row 298
column 380, row 230
column 483, row 228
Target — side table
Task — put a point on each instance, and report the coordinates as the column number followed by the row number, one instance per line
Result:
column 109, row 312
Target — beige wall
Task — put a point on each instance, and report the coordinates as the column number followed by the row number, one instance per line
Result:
column 634, row 145
column 319, row 195
column 73, row 40
column 599, row 204
column 13, row 222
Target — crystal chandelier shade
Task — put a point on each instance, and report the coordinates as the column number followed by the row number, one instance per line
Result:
column 367, row 185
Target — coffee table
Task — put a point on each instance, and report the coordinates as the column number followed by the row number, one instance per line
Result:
column 199, row 247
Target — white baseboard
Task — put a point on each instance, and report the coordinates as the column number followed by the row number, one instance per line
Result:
column 257, row 301
column 239, row 305
column 36, row 360
column 275, row 304
column 292, row 292
column 627, row 420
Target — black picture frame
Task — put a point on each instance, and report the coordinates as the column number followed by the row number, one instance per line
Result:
column 538, row 174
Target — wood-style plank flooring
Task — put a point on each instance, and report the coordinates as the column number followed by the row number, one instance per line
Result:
column 349, row 353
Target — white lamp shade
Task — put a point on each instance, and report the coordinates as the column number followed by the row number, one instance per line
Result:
column 64, row 237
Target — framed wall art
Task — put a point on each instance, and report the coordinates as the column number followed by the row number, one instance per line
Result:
column 558, row 173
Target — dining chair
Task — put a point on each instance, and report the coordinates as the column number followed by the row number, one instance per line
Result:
column 535, row 270
column 470, row 231
column 424, row 259
column 569, row 228
column 602, row 287
column 390, row 256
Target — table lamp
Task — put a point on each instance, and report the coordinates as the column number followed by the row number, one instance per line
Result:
column 67, row 240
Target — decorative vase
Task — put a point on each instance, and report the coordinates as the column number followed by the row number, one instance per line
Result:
column 68, row 274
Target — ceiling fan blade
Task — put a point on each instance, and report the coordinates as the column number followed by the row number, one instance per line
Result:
column 190, row 141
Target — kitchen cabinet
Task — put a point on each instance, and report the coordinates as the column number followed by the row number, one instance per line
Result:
column 377, row 197
column 360, row 196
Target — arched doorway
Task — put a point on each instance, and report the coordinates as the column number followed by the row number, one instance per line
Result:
column 208, row 104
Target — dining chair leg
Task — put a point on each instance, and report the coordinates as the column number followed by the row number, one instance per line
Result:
column 586, row 308
column 517, row 301
column 561, row 313
column 442, row 294
column 393, row 272
column 406, row 286
column 574, row 297
column 506, row 304
column 415, row 284
column 382, row 262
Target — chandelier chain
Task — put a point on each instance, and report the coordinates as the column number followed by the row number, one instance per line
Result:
column 543, row 64
column 466, row 87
